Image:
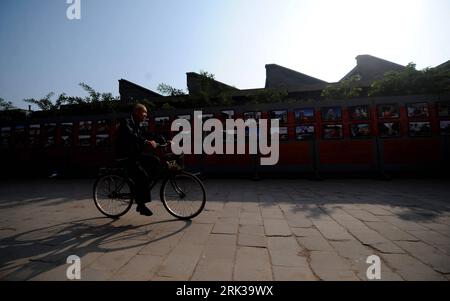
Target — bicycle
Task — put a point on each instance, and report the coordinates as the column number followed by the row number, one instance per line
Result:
column 182, row 193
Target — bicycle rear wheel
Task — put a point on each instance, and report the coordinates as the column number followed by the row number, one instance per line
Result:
column 112, row 195
column 183, row 195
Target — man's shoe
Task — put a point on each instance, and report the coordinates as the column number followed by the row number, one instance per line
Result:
column 144, row 210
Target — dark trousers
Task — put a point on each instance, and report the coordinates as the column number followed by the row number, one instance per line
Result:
column 143, row 171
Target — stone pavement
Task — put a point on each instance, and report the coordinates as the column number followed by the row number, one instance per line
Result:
column 266, row 230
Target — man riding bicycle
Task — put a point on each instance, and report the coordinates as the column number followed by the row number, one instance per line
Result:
column 142, row 167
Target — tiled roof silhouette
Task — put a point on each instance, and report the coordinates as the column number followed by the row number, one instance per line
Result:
column 279, row 77
column 197, row 82
column 370, row 68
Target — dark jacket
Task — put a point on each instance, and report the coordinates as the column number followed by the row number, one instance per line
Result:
column 131, row 139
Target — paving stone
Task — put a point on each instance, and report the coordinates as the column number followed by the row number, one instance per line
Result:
column 375, row 240
column 276, row 227
column 357, row 254
column 91, row 274
column 252, row 264
column 251, row 229
column 217, row 260
column 181, row 262
column 271, row 213
column 332, row 230
column 162, row 245
column 375, row 210
column 390, row 231
column 434, row 238
column 402, row 224
column 206, row 217
column 285, row 273
column 285, row 251
column 411, row 269
column 251, row 240
column 363, row 215
column 113, row 260
column 196, row 234
column 438, row 227
column 233, row 212
column 428, row 255
column 305, row 232
column 298, row 220
column 226, row 226
column 250, row 208
column 139, row 268
column 311, row 239
column 250, row 218
column 331, row 267
column 349, row 222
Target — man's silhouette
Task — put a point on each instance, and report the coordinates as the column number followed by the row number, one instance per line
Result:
column 132, row 141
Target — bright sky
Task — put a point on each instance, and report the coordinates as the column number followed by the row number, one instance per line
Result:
column 151, row 42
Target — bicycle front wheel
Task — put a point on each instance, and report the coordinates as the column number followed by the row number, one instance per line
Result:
column 183, row 195
column 112, row 195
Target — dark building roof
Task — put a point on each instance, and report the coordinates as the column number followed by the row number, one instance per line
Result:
column 370, row 68
column 444, row 66
column 279, row 77
column 130, row 91
column 196, row 83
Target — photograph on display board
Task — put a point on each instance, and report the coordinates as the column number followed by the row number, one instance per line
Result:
column 227, row 114
column 360, row 130
column 444, row 126
column 304, row 132
column 388, row 111
column 102, row 127
column 19, row 136
column 282, row 132
column 67, row 133
column 389, row 129
column 161, row 122
column 304, row 115
column 443, row 109
column 252, row 115
column 102, row 140
column 419, row 129
column 331, row 113
column 418, row 110
column 281, row 115
column 85, row 128
column 359, row 112
column 332, row 131
column 34, row 135
column 50, row 131
column 84, row 140
column 5, row 137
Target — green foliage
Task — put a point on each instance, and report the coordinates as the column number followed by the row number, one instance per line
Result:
column 411, row 81
column 46, row 103
column 168, row 90
column 6, row 105
column 345, row 89
column 167, row 107
column 95, row 96
column 98, row 100
column 206, row 74
column 268, row 96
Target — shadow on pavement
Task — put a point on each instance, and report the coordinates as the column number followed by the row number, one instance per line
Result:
column 28, row 254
